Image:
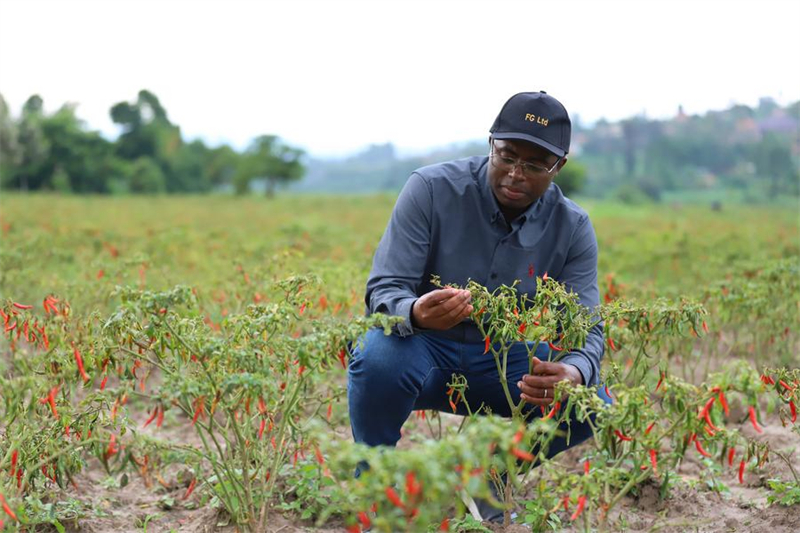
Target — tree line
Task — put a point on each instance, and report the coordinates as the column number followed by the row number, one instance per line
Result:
column 752, row 150
column 57, row 152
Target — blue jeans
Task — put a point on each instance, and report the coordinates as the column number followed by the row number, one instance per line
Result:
column 391, row 376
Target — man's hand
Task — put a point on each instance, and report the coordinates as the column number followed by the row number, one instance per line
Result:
column 441, row 309
column 537, row 389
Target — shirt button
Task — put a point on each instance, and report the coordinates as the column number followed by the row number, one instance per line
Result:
column 494, row 275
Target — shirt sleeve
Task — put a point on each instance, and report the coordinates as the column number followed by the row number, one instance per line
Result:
column 401, row 256
column 580, row 276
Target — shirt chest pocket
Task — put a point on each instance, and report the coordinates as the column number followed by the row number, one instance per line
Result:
column 528, row 264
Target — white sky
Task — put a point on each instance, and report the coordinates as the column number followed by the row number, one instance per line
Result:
column 332, row 76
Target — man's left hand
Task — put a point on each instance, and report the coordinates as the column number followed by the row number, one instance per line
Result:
column 537, row 388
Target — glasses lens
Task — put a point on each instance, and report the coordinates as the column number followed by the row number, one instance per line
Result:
column 530, row 170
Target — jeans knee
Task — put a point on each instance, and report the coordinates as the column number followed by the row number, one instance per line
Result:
column 379, row 361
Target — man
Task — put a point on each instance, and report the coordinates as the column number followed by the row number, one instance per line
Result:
column 493, row 219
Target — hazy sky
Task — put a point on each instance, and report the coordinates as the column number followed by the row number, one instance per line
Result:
column 332, row 76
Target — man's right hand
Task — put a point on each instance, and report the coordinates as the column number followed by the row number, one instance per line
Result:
column 441, row 309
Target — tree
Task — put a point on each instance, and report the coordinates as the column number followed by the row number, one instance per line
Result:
column 268, row 158
column 10, row 149
column 571, row 178
column 146, row 177
column 35, row 148
column 773, row 161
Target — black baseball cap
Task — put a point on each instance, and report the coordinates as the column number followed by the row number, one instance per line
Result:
column 535, row 117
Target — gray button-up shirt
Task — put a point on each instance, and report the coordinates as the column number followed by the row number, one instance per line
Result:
column 447, row 222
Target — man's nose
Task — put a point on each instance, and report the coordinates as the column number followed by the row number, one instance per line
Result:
column 516, row 170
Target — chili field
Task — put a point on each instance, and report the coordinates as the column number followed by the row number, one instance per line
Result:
column 179, row 364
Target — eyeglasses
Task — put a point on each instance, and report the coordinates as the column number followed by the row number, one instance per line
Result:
column 529, row 170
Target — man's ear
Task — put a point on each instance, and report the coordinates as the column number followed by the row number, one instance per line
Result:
column 561, row 164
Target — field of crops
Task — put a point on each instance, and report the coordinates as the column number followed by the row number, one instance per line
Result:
column 179, row 365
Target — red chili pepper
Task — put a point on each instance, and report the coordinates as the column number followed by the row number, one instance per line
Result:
column 586, row 466
column 353, row 528
column 608, row 392
column 554, row 347
column 11, row 327
column 190, row 489
column 754, row 421
column 160, row 418
column 79, row 360
column 391, row 494
column 302, row 308
column 612, row 345
column 731, row 453
column 413, row 487
column 700, row 448
column 649, row 428
column 342, row 358
column 51, row 400
column 318, row 454
column 518, row 437
column 741, row 471
column 198, row 410
column 724, row 402
column 14, row 456
column 21, row 306
column 364, row 519
column 7, row 509
column 522, row 328
column 621, row 435
column 262, row 406
column 522, row 454
column 785, row 385
column 300, row 370
column 707, row 407
column 112, row 448
column 152, row 417
column 705, row 326
column 579, row 509
column 553, row 411
column 767, row 379
column 660, row 379
column 654, row 460
column 445, row 525
column 545, row 277
column 794, row 411
column 487, row 342
column 710, row 424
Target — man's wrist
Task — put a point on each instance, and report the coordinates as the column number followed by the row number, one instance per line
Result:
column 411, row 315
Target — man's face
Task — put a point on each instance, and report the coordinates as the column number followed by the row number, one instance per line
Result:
column 515, row 189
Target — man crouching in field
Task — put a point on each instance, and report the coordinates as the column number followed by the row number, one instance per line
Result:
column 493, row 219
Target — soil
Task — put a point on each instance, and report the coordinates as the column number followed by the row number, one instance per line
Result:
column 689, row 507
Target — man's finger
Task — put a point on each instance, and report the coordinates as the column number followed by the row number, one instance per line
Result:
column 547, row 368
column 451, row 307
column 437, row 297
column 536, row 401
column 540, row 382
